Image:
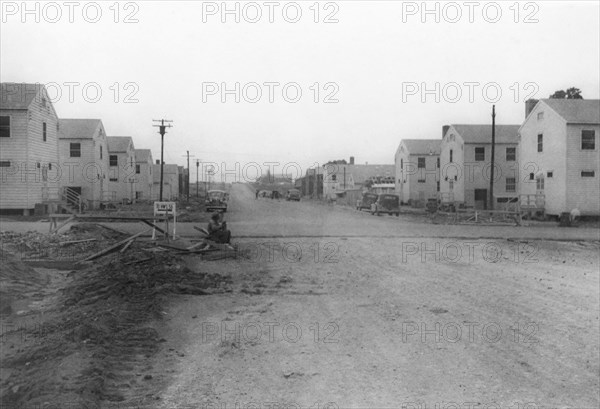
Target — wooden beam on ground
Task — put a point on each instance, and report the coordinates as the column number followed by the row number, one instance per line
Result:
column 126, row 246
column 113, row 247
column 201, row 230
column 149, row 223
column 112, row 229
column 76, row 241
column 63, row 224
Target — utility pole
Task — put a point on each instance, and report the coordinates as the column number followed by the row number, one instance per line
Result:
column 187, row 187
column 162, row 130
column 492, row 159
column 197, row 178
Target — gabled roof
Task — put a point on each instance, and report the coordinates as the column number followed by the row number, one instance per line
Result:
column 77, row 128
column 143, row 155
column 423, row 146
column 18, row 95
column 483, row 133
column 119, row 143
column 580, row 111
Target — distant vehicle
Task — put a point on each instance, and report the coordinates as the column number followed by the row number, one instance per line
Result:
column 293, row 194
column 386, row 203
column 216, row 200
column 367, row 200
column 275, row 194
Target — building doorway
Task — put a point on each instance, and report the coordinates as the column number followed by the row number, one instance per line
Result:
column 481, row 198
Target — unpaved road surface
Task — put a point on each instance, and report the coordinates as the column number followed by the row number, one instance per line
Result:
column 319, row 320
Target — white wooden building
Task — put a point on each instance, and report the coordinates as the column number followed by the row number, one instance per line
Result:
column 559, row 154
column 29, row 171
column 417, row 170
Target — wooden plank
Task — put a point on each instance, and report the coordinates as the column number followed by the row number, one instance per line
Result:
column 201, row 230
column 113, row 247
column 63, row 224
column 76, row 241
column 149, row 223
column 126, row 246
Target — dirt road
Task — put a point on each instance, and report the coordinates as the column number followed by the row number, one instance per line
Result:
column 318, row 321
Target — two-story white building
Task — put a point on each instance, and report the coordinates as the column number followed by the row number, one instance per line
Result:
column 465, row 164
column 170, row 182
column 417, row 170
column 83, row 153
column 121, row 168
column 559, row 154
column 29, row 162
column 143, row 173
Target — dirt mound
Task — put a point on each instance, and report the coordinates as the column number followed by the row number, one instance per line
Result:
column 97, row 347
column 16, row 279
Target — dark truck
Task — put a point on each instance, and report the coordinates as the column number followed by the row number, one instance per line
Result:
column 367, row 200
column 216, row 200
column 386, row 203
column 293, row 194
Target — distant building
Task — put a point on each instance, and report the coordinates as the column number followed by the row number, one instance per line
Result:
column 29, row 162
column 83, row 153
column 417, row 170
column 170, row 182
column 143, row 174
column 559, row 154
column 340, row 177
column 465, row 164
column 121, row 168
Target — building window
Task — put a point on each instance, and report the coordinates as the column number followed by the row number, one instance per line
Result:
column 421, row 179
column 451, row 185
column 511, row 184
column 540, row 142
column 101, row 153
column 421, row 163
column 539, row 182
column 540, row 116
column 137, row 169
column 588, row 173
column 75, row 150
column 4, row 164
column 114, row 160
column 588, row 140
column 334, row 177
column 438, row 162
column 401, row 163
column 113, row 179
column 549, row 174
column 531, row 176
column 479, row 154
column 511, row 154
column 451, row 152
column 44, row 135
column 4, row 126
column 438, row 185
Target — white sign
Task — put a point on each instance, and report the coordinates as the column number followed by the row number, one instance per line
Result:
column 161, row 208
column 166, row 209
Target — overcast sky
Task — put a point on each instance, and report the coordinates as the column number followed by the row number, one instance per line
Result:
column 376, row 60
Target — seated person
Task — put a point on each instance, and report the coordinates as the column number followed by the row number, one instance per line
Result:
column 217, row 230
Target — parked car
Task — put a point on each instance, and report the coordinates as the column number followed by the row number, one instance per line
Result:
column 386, row 203
column 367, row 200
column 216, row 200
column 293, row 194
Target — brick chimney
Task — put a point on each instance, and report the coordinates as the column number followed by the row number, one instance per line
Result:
column 444, row 130
column 351, row 160
column 529, row 105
